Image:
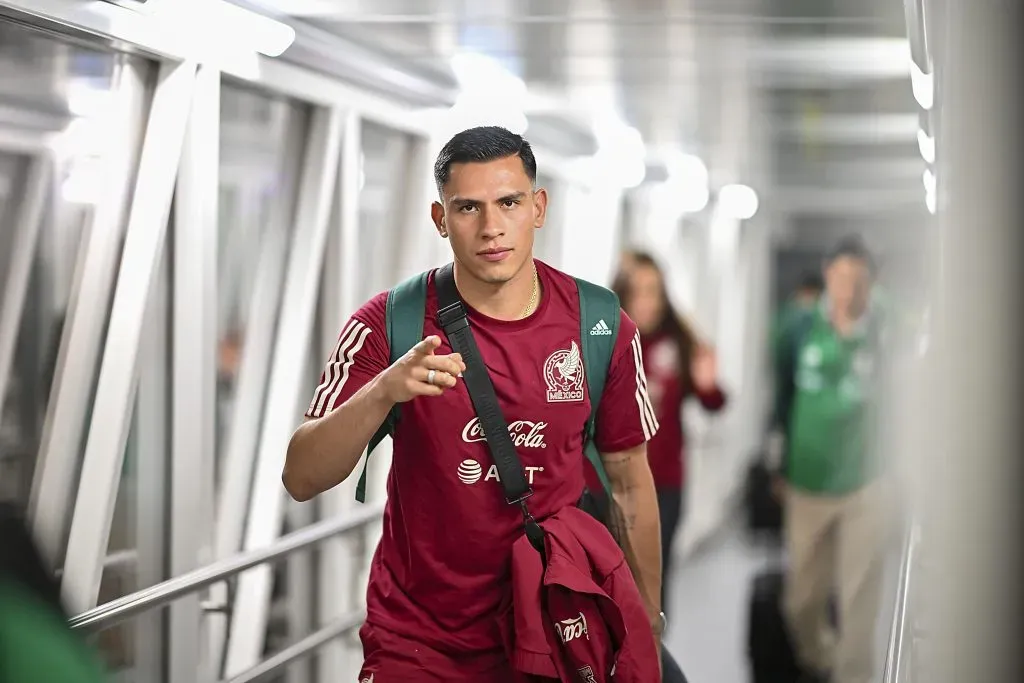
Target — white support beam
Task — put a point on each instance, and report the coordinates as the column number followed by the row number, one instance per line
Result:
column 194, row 330
column 879, row 129
column 135, row 25
column 837, row 58
column 115, row 391
column 53, row 486
column 339, row 569
column 266, row 504
column 844, row 201
column 858, row 174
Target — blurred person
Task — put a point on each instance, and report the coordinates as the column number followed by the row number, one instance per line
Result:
column 36, row 643
column 790, row 315
column 806, row 296
column 835, row 500
column 678, row 366
column 440, row 577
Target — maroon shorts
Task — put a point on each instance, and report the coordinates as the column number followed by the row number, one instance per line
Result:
column 391, row 658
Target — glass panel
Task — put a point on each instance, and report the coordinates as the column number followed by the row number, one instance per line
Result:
column 12, row 173
column 16, row 429
column 63, row 93
column 381, row 205
column 119, row 573
column 137, row 546
column 257, row 153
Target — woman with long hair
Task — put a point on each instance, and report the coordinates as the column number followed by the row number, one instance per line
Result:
column 678, row 365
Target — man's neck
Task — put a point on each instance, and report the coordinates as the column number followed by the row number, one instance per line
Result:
column 502, row 301
column 846, row 322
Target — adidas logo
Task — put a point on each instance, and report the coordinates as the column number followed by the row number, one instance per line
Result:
column 600, row 329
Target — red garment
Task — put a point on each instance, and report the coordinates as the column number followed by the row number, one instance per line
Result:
column 579, row 617
column 441, row 568
column 394, row 658
column 666, row 451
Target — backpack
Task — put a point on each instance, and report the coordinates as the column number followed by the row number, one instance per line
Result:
column 599, row 328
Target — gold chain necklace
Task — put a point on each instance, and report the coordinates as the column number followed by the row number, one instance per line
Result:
column 533, row 296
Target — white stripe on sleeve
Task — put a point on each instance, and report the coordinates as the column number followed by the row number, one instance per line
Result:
column 336, row 372
column 647, row 418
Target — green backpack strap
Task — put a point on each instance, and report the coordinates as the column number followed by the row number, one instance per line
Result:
column 599, row 328
column 404, row 321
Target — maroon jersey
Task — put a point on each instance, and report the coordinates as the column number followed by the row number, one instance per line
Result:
column 442, row 565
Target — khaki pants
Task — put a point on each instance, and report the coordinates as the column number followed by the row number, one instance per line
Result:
column 836, row 544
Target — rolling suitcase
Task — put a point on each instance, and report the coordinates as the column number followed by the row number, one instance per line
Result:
column 763, row 511
column 769, row 648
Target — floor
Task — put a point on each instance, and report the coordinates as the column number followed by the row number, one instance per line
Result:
column 707, row 629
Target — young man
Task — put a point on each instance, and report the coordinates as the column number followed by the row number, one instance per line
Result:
column 828, row 362
column 442, row 566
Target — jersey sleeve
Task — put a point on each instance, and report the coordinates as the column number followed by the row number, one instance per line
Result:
column 361, row 354
column 625, row 416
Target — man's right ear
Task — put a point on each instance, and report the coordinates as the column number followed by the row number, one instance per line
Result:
column 437, row 215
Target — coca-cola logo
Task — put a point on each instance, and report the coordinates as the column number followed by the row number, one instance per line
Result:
column 524, row 433
column 571, row 629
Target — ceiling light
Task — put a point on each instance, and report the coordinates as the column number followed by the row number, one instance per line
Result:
column 923, row 86
column 929, row 181
column 738, row 201
column 926, row 145
column 223, row 21
column 490, row 95
column 687, row 183
column 621, row 157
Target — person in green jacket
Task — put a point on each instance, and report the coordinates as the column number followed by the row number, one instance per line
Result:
column 828, row 361
column 804, row 298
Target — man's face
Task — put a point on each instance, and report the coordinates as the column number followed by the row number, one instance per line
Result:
column 848, row 282
column 489, row 212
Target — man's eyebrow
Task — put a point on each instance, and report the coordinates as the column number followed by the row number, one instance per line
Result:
column 468, row 201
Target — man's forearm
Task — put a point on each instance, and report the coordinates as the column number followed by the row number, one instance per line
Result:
column 636, row 526
column 322, row 453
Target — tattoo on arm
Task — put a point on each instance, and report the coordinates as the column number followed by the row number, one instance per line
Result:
column 621, row 458
column 621, row 524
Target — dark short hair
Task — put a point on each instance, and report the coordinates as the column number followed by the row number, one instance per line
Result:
column 853, row 247
column 811, row 281
column 480, row 145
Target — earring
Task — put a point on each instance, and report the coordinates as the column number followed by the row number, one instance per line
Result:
column 444, row 233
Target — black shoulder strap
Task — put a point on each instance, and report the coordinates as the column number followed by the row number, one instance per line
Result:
column 451, row 315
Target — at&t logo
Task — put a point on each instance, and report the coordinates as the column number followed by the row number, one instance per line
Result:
column 470, row 472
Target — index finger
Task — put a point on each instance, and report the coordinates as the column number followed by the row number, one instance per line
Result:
column 427, row 346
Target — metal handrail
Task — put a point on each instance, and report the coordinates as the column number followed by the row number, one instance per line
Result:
column 304, row 647
column 119, row 610
column 898, row 634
